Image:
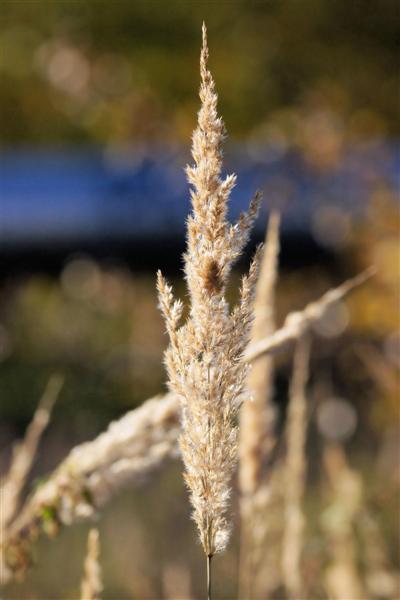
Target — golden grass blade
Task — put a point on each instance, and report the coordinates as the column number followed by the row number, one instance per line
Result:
column 342, row 578
column 256, row 416
column 257, row 423
column 295, row 467
column 92, row 586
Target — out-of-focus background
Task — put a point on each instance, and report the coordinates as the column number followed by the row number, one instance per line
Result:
column 97, row 104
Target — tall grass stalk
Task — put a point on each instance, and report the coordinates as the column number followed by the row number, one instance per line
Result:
column 205, row 358
column 257, row 421
column 92, row 586
column 24, row 454
column 342, row 577
column 295, row 467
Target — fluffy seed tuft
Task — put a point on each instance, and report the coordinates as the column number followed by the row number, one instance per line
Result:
column 205, row 357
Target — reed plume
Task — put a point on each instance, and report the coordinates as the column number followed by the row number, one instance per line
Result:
column 205, row 357
column 295, row 472
column 92, row 586
column 257, row 425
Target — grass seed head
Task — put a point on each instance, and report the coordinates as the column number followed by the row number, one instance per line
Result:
column 205, row 357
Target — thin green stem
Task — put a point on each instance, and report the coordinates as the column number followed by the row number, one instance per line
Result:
column 209, row 557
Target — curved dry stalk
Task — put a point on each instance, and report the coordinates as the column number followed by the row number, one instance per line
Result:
column 297, row 322
column 92, row 586
column 24, row 453
column 295, row 467
column 92, row 474
column 256, row 425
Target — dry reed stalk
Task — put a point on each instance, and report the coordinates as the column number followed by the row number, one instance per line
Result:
column 267, row 522
column 295, row 467
column 92, row 586
column 297, row 322
column 342, row 579
column 24, row 453
column 205, row 358
column 257, row 424
column 93, row 473
column 257, row 415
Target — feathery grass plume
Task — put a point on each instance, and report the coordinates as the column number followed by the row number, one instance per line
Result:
column 92, row 586
column 342, row 578
column 93, row 473
column 24, row 452
column 295, row 471
column 257, row 423
column 205, row 356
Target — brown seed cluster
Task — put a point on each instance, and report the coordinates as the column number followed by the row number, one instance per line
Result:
column 212, row 277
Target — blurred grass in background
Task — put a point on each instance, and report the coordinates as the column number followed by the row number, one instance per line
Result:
column 314, row 76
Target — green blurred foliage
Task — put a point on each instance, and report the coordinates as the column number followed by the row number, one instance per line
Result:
column 99, row 327
column 127, row 71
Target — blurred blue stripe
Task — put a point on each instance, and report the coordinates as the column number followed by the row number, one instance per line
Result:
column 92, row 194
